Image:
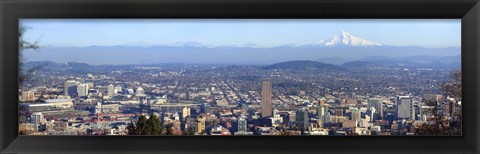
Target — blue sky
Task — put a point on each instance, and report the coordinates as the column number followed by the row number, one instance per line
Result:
column 435, row 33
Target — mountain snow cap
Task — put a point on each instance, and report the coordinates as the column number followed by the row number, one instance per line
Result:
column 347, row 39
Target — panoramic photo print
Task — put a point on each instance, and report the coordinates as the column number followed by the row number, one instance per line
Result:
column 256, row 77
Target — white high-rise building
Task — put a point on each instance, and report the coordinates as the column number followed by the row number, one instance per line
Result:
column 111, row 90
column 70, row 87
column 82, row 90
column 185, row 112
column 405, row 108
column 372, row 112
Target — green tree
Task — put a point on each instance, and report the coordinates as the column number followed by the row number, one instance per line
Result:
column 144, row 126
column 131, row 128
column 153, row 126
column 139, row 128
column 454, row 89
column 444, row 126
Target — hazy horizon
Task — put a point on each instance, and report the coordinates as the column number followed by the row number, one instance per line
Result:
column 236, row 41
column 431, row 33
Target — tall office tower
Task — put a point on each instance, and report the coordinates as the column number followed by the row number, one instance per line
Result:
column 372, row 112
column 185, row 112
column 302, row 119
column 111, row 90
column 242, row 124
column 266, row 99
column 201, row 125
column 321, row 110
column 377, row 104
column 82, row 90
column 70, row 87
column 355, row 114
column 405, row 108
column 36, row 118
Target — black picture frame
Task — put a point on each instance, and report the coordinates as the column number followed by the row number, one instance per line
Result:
column 13, row 10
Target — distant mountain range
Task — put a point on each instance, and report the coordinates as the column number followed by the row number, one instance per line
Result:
column 343, row 47
column 451, row 62
column 411, row 61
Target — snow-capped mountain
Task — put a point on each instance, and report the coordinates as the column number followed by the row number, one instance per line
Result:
column 347, row 39
column 341, row 48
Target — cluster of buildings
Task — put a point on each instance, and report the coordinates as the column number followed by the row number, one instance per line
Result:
column 101, row 105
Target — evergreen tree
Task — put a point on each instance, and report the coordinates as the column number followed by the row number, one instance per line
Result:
column 139, row 128
column 146, row 126
column 153, row 126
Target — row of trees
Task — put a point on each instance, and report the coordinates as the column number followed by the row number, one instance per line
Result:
column 152, row 126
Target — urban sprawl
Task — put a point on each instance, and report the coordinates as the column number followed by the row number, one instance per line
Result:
column 201, row 99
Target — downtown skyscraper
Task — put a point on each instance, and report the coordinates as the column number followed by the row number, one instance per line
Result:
column 266, row 99
column 405, row 108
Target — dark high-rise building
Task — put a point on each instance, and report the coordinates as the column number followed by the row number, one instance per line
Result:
column 302, row 119
column 266, row 99
column 377, row 104
column 70, row 87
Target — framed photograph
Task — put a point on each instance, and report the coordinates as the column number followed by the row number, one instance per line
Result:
column 230, row 76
